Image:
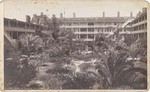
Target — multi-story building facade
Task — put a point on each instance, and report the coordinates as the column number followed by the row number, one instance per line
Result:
column 139, row 24
column 86, row 29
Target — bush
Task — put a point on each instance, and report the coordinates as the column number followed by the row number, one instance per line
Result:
column 80, row 81
column 50, row 81
column 18, row 73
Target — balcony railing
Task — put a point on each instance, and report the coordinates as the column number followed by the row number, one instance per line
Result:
column 18, row 29
column 86, row 26
column 93, row 32
column 139, row 23
column 10, row 39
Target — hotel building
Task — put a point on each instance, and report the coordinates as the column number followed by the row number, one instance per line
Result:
column 86, row 29
column 139, row 24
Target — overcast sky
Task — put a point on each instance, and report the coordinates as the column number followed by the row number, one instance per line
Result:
column 83, row 8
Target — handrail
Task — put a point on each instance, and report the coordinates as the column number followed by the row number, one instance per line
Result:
column 11, row 40
column 126, row 23
column 122, row 26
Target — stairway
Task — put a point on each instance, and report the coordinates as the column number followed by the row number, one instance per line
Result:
column 10, row 39
column 121, row 26
column 126, row 23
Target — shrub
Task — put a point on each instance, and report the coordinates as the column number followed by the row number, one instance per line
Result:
column 30, row 44
column 80, row 81
column 50, row 81
column 18, row 73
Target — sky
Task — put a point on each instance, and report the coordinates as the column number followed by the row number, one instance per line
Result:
column 18, row 9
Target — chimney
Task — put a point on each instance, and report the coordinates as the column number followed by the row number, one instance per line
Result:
column 74, row 15
column 28, row 18
column 131, row 14
column 61, row 15
column 118, row 14
column 103, row 14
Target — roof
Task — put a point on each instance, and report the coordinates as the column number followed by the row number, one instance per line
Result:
column 14, row 20
column 94, row 19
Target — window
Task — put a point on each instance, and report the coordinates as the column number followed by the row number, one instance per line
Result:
column 145, row 25
column 83, row 23
column 90, row 29
column 90, row 23
column 97, row 30
column 140, row 27
column 83, row 36
column 115, row 23
column 69, row 24
column 142, row 18
column 108, row 23
column 90, row 36
column 83, row 29
column 139, row 19
column 75, row 23
column 134, row 28
column 14, row 35
column 6, row 22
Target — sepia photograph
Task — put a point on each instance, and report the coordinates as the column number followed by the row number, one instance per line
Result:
column 75, row 44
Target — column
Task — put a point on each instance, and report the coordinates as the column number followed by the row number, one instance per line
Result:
column 17, row 35
column 25, row 25
column 8, row 23
column 79, row 33
column 11, row 33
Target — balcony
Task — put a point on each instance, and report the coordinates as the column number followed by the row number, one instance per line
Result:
column 139, row 23
column 18, row 29
column 86, row 26
column 93, row 32
column 139, row 31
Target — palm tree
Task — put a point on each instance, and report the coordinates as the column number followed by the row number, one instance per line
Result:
column 114, row 69
column 30, row 44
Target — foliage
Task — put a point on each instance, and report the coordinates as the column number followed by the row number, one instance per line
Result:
column 79, row 81
column 30, row 44
column 139, row 48
column 66, row 41
column 114, row 68
column 50, row 82
column 38, row 32
column 129, row 39
column 65, row 44
column 54, row 26
column 18, row 72
column 60, row 65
